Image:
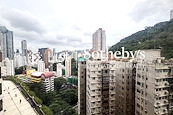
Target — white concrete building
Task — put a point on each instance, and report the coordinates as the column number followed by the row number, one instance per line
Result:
column 7, row 67
column 68, row 66
column 48, row 81
column 59, row 70
column 19, row 60
column 41, row 66
column 99, row 40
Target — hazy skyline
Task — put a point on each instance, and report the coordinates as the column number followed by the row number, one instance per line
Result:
column 70, row 24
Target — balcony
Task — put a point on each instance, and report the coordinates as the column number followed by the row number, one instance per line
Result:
column 162, row 84
column 161, row 93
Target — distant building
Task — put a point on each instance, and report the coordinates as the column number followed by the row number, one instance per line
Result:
column 24, row 47
column 42, row 52
column 171, row 14
column 41, row 66
column 59, row 69
column 99, row 40
column 7, row 67
column 19, row 60
column 48, row 55
column 6, row 43
column 68, row 66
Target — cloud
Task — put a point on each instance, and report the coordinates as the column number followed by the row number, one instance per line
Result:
column 151, row 9
column 22, row 19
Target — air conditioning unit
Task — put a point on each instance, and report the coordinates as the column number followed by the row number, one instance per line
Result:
column 157, row 94
column 165, row 110
column 165, row 101
column 157, row 112
column 166, row 93
column 166, row 84
column 158, row 103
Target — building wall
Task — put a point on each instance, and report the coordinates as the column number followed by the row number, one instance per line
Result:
column 82, row 87
column 152, row 89
column 41, row 66
column 68, row 66
column 125, row 88
column 171, row 14
column 24, row 47
column 99, row 40
column 6, row 42
column 1, row 95
column 48, row 84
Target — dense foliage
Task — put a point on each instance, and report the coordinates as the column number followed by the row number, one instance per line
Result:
column 158, row 36
column 59, row 82
column 59, row 101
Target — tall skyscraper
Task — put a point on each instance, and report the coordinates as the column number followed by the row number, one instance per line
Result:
column 171, row 14
column 6, row 43
column 24, row 47
column 68, row 66
column 42, row 52
column 99, row 40
column 47, row 57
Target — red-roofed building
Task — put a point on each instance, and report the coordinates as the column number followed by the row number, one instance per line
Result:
column 47, row 79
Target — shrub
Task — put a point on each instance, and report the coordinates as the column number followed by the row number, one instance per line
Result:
column 47, row 110
column 31, row 93
column 38, row 100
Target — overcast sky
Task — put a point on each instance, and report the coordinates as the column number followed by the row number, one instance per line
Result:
column 69, row 24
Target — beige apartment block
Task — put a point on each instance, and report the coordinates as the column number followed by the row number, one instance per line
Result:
column 154, row 88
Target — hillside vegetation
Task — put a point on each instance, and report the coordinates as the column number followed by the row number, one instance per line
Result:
column 160, row 36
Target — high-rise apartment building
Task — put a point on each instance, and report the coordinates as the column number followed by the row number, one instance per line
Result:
column 99, row 40
column 24, row 47
column 96, row 87
column 153, row 93
column 125, row 73
column 68, row 66
column 6, row 43
column 41, row 66
column 42, row 52
column 171, row 14
column 82, row 87
column 48, row 55
column 59, row 67
column 1, row 95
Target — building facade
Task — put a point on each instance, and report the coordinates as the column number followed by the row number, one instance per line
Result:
column 41, row 66
column 154, row 88
column 171, row 14
column 24, row 47
column 6, row 43
column 99, row 40
column 68, row 66
column 82, row 87
column 1, row 95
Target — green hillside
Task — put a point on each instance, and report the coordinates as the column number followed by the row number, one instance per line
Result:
column 158, row 36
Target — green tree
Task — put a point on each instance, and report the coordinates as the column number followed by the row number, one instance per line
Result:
column 20, row 70
column 70, row 96
column 38, row 100
column 47, row 110
column 58, row 82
